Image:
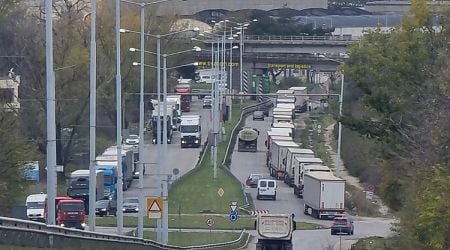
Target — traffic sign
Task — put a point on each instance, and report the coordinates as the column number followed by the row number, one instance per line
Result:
column 210, row 222
column 233, row 206
column 233, row 216
column 371, row 188
column 154, row 207
column 369, row 195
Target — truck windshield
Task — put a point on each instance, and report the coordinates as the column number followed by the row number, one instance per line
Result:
column 189, row 128
column 72, row 207
column 108, row 180
column 35, row 205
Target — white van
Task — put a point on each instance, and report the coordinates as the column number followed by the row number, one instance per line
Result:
column 35, row 207
column 267, row 188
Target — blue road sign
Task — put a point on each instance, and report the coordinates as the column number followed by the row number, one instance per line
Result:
column 233, row 216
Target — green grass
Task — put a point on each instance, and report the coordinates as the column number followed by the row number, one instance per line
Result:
column 197, row 221
column 198, row 191
column 371, row 243
column 309, row 226
column 195, row 238
column 318, row 139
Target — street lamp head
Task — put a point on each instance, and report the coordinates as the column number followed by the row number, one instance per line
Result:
column 197, row 49
column 246, row 24
column 235, row 47
column 133, row 49
column 123, row 30
column 255, row 20
column 195, row 64
column 136, row 64
column 196, row 29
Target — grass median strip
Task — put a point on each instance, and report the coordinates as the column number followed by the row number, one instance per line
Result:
column 199, row 192
column 185, row 239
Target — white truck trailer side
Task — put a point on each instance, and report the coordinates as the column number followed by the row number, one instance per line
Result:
column 277, row 151
column 288, row 160
column 297, row 164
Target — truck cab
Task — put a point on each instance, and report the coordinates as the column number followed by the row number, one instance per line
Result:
column 35, row 207
column 169, row 124
column 190, row 131
column 69, row 212
column 110, row 178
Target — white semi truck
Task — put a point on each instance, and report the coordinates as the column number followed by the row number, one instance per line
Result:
column 277, row 151
column 289, row 159
column 299, row 100
column 275, row 231
column 190, row 131
column 323, row 195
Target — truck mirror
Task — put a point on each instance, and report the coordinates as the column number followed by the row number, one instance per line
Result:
column 265, row 143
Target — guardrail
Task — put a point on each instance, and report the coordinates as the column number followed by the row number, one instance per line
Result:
column 26, row 233
column 248, row 38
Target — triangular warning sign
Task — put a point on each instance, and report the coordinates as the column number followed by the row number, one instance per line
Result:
column 154, row 207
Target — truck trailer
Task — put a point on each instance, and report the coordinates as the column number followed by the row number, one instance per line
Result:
column 323, row 195
column 288, row 160
column 79, row 186
column 275, row 231
column 277, row 151
column 298, row 165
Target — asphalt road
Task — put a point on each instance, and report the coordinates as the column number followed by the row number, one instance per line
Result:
column 245, row 163
column 183, row 159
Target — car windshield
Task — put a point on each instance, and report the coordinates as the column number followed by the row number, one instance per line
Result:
column 133, row 137
column 189, row 128
column 35, row 205
column 108, row 180
column 72, row 207
column 258, row 113
column 78, row 192
column 131, row 200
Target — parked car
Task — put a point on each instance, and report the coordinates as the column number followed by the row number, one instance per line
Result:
column 252, row 180
column 132, row 140
column 267, row 188
column 131, row 205
column 258, row 115
column 105, row 208
column 342, row 225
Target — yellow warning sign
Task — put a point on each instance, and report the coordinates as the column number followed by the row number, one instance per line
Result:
column 154, row 207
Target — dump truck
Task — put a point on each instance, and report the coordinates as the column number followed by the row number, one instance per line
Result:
column 248, row 140
column 275, row 231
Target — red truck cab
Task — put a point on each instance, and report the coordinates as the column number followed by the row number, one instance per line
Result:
column 69, row 212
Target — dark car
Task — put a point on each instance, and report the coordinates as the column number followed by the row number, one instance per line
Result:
column 258, row 115
column 105, row 208
column 342, row 225
column 252, row 180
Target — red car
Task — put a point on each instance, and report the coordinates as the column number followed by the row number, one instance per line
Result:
column 342, row 225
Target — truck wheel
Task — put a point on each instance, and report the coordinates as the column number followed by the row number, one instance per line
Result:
column 287, row 246
column 257, row 197
column 274, row 197
column 259, row 246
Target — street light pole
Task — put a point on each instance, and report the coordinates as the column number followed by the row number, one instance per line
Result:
column 338, row 156
column 158, row 131
column 241, row 50
column 119, row 183
column 92, row 118
column 141, row 130
column 165, row 212
column 231, row 74
column 51, row 123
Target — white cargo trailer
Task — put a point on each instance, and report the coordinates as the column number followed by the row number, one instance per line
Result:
column 323, row 195
column 277, row 152
column 288, row 169
column 297, row 164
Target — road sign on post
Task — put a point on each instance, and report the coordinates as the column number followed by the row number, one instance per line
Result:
column 210, row 222
column 154, row 207
column 233, row 216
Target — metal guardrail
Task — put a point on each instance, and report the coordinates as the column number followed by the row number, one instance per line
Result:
column 35, row 234
column 343, row 38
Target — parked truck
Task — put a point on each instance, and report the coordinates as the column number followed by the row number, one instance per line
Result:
column 135, row 150
column 323, row 195
column 110, row 154
column 190, row 131
column 288, row 160
column 284, row 125
column 298, row 165
column 277, row 150
column 175, row 101
column 69, row 212
column 275, row 231
column 185, row 92
column 248, row 140
column 79, row 186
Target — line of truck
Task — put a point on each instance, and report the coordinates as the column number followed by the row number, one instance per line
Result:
column 322, row 192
